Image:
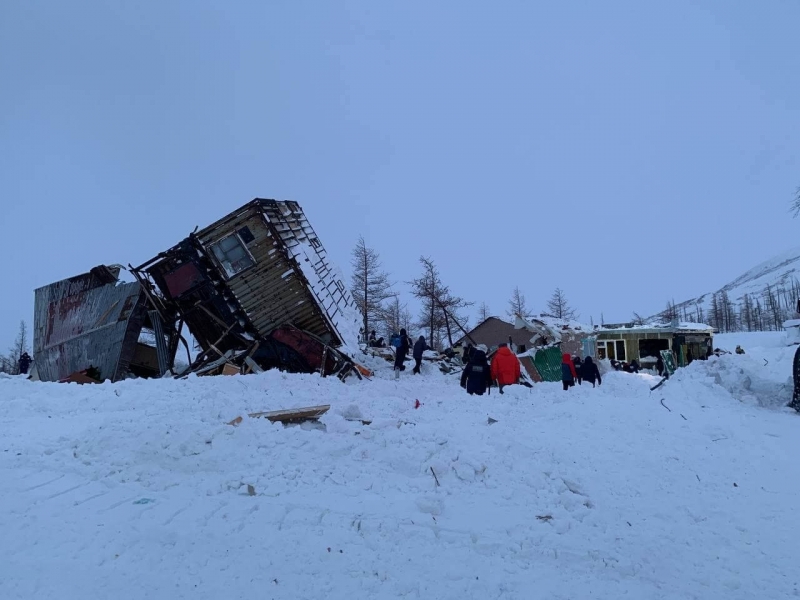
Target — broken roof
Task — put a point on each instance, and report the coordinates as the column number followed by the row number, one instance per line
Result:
column 656, row 327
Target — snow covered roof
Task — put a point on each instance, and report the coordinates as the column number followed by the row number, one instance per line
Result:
column 658, row 327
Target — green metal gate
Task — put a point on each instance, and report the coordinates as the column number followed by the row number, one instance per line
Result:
column 548, row 363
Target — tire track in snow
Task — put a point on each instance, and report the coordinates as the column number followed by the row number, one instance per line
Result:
column 45, row 483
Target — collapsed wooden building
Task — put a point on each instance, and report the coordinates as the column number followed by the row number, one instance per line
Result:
column 256, row 291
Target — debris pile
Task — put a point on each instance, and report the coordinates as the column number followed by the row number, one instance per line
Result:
column 255, row 290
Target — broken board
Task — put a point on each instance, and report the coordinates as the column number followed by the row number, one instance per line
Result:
column 293, row 415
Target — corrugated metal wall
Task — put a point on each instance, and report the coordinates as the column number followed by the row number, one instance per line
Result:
column 76, row 327
column 548, row 363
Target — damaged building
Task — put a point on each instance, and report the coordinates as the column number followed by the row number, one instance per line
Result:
column 255, row 290
column 91, row 323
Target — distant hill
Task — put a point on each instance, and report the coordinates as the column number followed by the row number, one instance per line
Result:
column 780, row 274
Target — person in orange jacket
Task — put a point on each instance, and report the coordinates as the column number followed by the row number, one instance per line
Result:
column 505, row 367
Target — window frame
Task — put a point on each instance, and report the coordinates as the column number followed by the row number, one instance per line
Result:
column 614, row 343
column 249, row 254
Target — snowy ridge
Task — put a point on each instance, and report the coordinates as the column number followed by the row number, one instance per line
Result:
column 141, row 489
column 778, row 271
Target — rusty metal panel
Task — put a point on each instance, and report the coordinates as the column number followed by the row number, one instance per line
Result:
column 82, row 322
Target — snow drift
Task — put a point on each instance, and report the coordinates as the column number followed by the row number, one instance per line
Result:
column 140, row 489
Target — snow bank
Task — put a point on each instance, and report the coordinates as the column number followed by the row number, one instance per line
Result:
column 139, row 489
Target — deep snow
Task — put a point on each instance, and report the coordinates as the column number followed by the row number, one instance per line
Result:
column 140, row 489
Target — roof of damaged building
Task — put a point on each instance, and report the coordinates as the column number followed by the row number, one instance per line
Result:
column 657, row 327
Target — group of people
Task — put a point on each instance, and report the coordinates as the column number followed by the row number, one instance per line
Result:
column 479, row 375
column 573, row 370
column 402, row 344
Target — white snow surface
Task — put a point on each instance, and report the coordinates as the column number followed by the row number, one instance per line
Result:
column 140, row 490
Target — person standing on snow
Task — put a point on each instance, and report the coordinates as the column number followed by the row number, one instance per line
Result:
column 401, row 353
column 477, row 376
column 590, row 372
column 576, row 360
column 24, row 363
column 505, row 367
column 467, row 353
column 568, row 374
column 419, row 348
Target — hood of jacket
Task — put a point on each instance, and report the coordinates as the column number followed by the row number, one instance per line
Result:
column 566, row 358
column 588, row 360
column 504, row 351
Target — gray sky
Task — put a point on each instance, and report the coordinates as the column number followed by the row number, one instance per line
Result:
column 627, row 151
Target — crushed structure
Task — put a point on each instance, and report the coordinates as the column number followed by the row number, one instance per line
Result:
column 255, row 290
column 91, row 322
column 645, row 343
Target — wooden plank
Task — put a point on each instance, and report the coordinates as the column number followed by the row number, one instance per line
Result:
column 229, row 369
column 293, row 415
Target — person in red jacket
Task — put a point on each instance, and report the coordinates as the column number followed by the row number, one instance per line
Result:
column 568, row 373
column 505, row 367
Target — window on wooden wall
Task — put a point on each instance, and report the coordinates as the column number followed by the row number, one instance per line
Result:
column 232, row 255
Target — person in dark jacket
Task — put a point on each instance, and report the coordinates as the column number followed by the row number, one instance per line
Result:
column 24, row 363
column 590, row 372
column 568, row 374
column 401, row 354
column 660, row 365
column 576, row 360
column 419, row 348
column 477, row 375
column 467, row 353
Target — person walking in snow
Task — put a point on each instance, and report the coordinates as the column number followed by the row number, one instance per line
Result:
column 419, row 349
column 568, row 374
column 401, row 353
column 590, row 372
column 660, row 365
column 505, row 367
column 477, row 376
column 24, row 363
column 373, row 339
column 576, row 360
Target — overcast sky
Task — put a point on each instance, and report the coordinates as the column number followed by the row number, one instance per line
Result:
column 629, row 152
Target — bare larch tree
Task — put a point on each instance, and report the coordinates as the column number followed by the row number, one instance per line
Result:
column 517, row 305
column 484, row 312
column 370, row 286
column 440, row 308
column 558, row 306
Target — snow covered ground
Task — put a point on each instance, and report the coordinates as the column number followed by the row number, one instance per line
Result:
column 140, row 489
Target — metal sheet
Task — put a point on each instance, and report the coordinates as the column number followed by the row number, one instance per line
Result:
column 82, row 322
